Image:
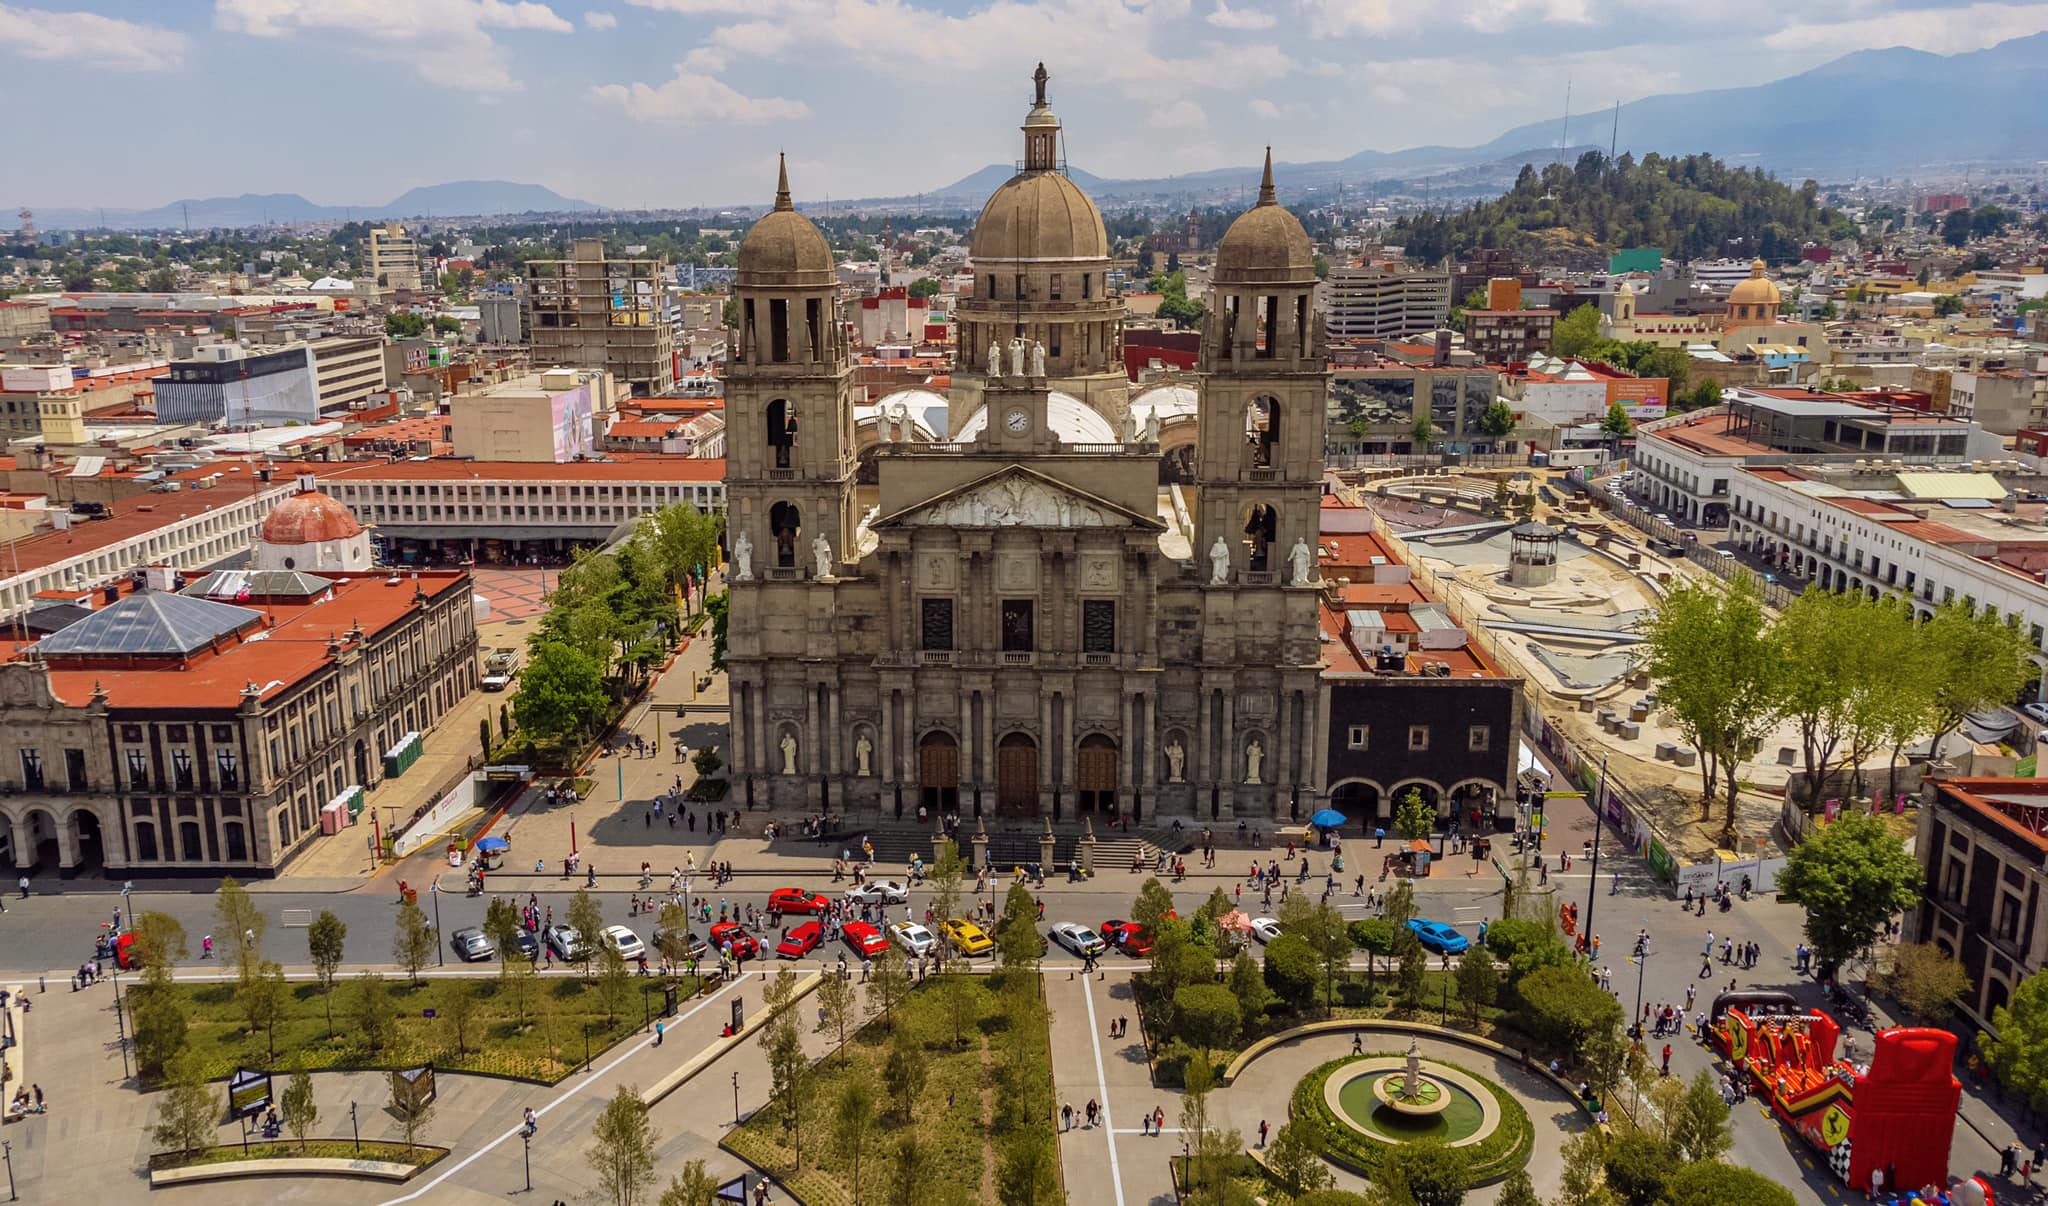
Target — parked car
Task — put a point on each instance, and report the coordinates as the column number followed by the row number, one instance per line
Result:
column 744, row 946
column 865, row 939
column 472, row 944
column 796, row 900
column 526, row 944
column 800, row 940
column 2036, row 711
column 1078, row 938
column 1127, row 936
column 1265, row 929
column 966, row 937
column 693, row 946
column 626, row 941
column 881, row 891
column 913, row 938
column 1438, row 937
column 565, row 942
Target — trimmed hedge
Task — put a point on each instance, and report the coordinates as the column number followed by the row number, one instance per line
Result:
column 1493, row 1157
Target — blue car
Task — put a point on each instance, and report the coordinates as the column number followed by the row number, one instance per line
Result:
column 1438, row 937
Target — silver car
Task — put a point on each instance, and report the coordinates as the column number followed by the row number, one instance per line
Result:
column 472, row 944
column 1078, row 938
column 881, row 891
column 913, row 938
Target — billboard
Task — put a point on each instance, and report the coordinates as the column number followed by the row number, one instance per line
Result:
column 569, row 413
column 1641, row 397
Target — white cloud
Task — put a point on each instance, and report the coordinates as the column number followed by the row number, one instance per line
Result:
column 693, row 98
column 600, row 20
column 1180, row 115
column 1226, row 17
column 76, row 37
column 1498, row 16
column 1261, row 107
column 1337, row 18
column 445, row 42
column 1938, row 30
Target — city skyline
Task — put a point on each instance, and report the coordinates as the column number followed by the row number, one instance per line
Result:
column 656, row 103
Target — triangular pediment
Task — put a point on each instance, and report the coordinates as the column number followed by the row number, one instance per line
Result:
column 1016, row 496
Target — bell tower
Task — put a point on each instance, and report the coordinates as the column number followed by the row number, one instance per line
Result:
column 790, row 450
column 1259, row 464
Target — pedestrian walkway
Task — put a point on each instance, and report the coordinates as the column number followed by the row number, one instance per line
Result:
column 1111, row 1163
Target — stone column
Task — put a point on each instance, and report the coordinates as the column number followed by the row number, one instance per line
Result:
column 24, row 847
column 886, row 755
column 938, row 839
column 1088, row 845
column 980, row 841
column 1045, row 844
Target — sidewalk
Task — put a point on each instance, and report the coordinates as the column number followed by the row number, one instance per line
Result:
column 1111, row 1163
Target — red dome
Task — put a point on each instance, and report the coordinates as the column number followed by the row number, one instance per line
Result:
column 309, row 518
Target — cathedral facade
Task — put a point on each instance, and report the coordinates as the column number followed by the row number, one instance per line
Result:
column 1018, row 619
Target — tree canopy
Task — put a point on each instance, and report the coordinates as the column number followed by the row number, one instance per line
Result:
column 1850, row 876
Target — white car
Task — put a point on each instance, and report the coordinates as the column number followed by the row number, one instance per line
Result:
column 1265, row 929
column 913, row 938
column 565, row 942
column 881, row 891
column 1078, row 938
column 2037, row 711
column 625, row 941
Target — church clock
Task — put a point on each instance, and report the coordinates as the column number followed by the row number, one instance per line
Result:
column 1017, row 422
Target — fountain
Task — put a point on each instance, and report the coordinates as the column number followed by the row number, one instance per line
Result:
column 1398, row 1099
column 1414, row 1095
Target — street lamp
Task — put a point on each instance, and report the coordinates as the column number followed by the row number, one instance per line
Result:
column 526, row 1146
column 1593, row 872
column 120, row 1023
column 434, row 889
column 1642, row 961
column 352, row 1128
column 7, row 1153
column 127, row 887
column 735, row 1099
column 586, row 1046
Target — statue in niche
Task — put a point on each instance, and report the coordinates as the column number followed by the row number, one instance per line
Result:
column 1129, row 423
column 821, row 549
column 1037, row 358
column 1301, row 557
column 1017, row 365
column 1176, row 761
column 863, row 749
column 1152, row 426
column 789, row 753
column 1254, row 757
column 885, row 427
column 904, row 422
column 742, row 559
column 1219, row 563
column 995, row 358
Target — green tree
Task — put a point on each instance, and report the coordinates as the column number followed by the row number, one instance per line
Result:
column 888, row 983
column 445, row 324
column 622, row 1148
column 1699, row 1129
column 161, row 280
column 1518, row 1190
column 924, row 286
column 1563, row 1007
column 502, row 926
column 1424, row 1172
column 1638, row 1166
column 1207, row 1016
column 1017, row 939
column 1028, row 1169
column 789, row 1074
column 1498, row 421
column 1717, row 678
column 326, row 938
column 729, row 314
column 1422, row 432
column 717, row 607
column 956, row 996
column 1850, row 877
column 1294, row 1158
column 413, row 1113
column 1706, row 393
column 301, row 1112
column 1399, row 908
column 1414, row 967
column 159, row 941
column 412, row 944
column 1292, row 970
column 1414, row 817
column 1478, row 980
column 1248, row 985
column 161, row 1024
column 1584, row 1180
column 1927, row 981
column 1575, row 332
column 1152, row 905
column 837, row 1000
column 237, row 915
column 2017, row 1045
column 614, row 981
column 460, row 1008
column 262, row 996
column 1977, row 661
column 1712, row 1183
column 1616, row 424
column 560, row 688
column 373, row 1012
column 188, row 1114
column 695, row 1186
column 586, row 917
column 403, row 325
column 904, row 1070
column 853, row 1118
column 1375, row 936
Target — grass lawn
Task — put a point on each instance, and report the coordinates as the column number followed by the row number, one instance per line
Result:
column 539, row 1039
column 957, row 1116
column 327, row 1149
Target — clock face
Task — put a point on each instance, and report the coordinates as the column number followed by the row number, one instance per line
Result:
column 1017, row 422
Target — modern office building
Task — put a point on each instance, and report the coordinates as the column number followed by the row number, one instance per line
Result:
column 227, row 383
column 1375, row 302
column 347, row 369
column 556, row 416
column 592, row 311
column 391, row 258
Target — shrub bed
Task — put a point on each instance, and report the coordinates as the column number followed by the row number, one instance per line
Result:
column 315, row 1149
column 1493, row 1157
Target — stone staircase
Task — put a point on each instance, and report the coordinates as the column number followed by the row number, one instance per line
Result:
column 1010, row 842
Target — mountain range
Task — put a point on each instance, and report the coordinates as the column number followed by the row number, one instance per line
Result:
column 1871, row 113
column 461, row 197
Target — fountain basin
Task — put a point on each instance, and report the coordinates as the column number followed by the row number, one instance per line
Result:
column 1368, row 1095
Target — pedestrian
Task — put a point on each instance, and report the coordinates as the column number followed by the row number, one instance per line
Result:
column 1093, row 1110
column 1358, row 1042
column 1262, row 1132
column 1066, row 1117
column 1706, row 966
column 1689, row 990
column 1158, row 1120
column 22, row 883
column 39, row 1098
column 657, row 1033
column 206, row 947
column 1667, row 1059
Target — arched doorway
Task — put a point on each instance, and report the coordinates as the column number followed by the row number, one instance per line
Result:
column 362, row 764
column 86, row 838
column 1017, row 776
column 1095, row 773
column 42, row 850
column 1359, row 802
column 938, row 771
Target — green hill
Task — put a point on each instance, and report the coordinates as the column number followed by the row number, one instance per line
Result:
column 1695, row 207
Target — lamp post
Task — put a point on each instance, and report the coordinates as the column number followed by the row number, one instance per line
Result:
column 7, row 1153
column 1446, row 1004
column 526, row 1148
column 1593, row 872
column 1642, row 961
column 352, row 1128
column 127, row 887
column 735, row 1099
column 434, row 889
column 586, row 1046
column 120, row 1023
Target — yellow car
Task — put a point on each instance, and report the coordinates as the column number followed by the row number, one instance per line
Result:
column 967, row 937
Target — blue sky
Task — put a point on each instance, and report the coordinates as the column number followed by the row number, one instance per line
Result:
column 683, row 102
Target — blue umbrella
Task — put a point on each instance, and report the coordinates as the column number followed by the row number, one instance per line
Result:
column 1328, row 818
column 493, row 845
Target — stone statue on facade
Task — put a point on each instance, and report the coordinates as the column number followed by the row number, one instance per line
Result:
column 1129, row 423
column 1219, row 563
column 789, row 753
column 904, row 423
column 863, row 749
column 885, row 426
column 1301, row 556
column 1152, row 426
column 995, row 358
column 1254, row 757
column 1037, row 358
column 1176, row 761
column 1017, row 365
column 742, row 559
column 821, row 549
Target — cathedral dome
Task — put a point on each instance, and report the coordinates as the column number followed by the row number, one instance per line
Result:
column 785, row 248
column 1758, row 290
column 1266, row 244
column 1040, row 215
column 309, row 517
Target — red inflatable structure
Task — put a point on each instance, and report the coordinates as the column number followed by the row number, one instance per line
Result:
column 1898, row 1114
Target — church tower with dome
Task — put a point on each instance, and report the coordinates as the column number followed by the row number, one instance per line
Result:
column 1019, row 623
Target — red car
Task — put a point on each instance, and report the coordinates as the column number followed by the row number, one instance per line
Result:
column 1127, row 936
column 796, row 900
column 125, row 953
column 866, row 940
column 800, row 941
column 743, row 945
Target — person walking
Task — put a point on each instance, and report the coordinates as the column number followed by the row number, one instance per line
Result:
column 1158, row 1120
column 1262, row 1132
column 22, row 883
column 1067, row 1117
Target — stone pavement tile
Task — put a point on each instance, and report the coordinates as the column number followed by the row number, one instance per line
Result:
column 1110, row 1164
